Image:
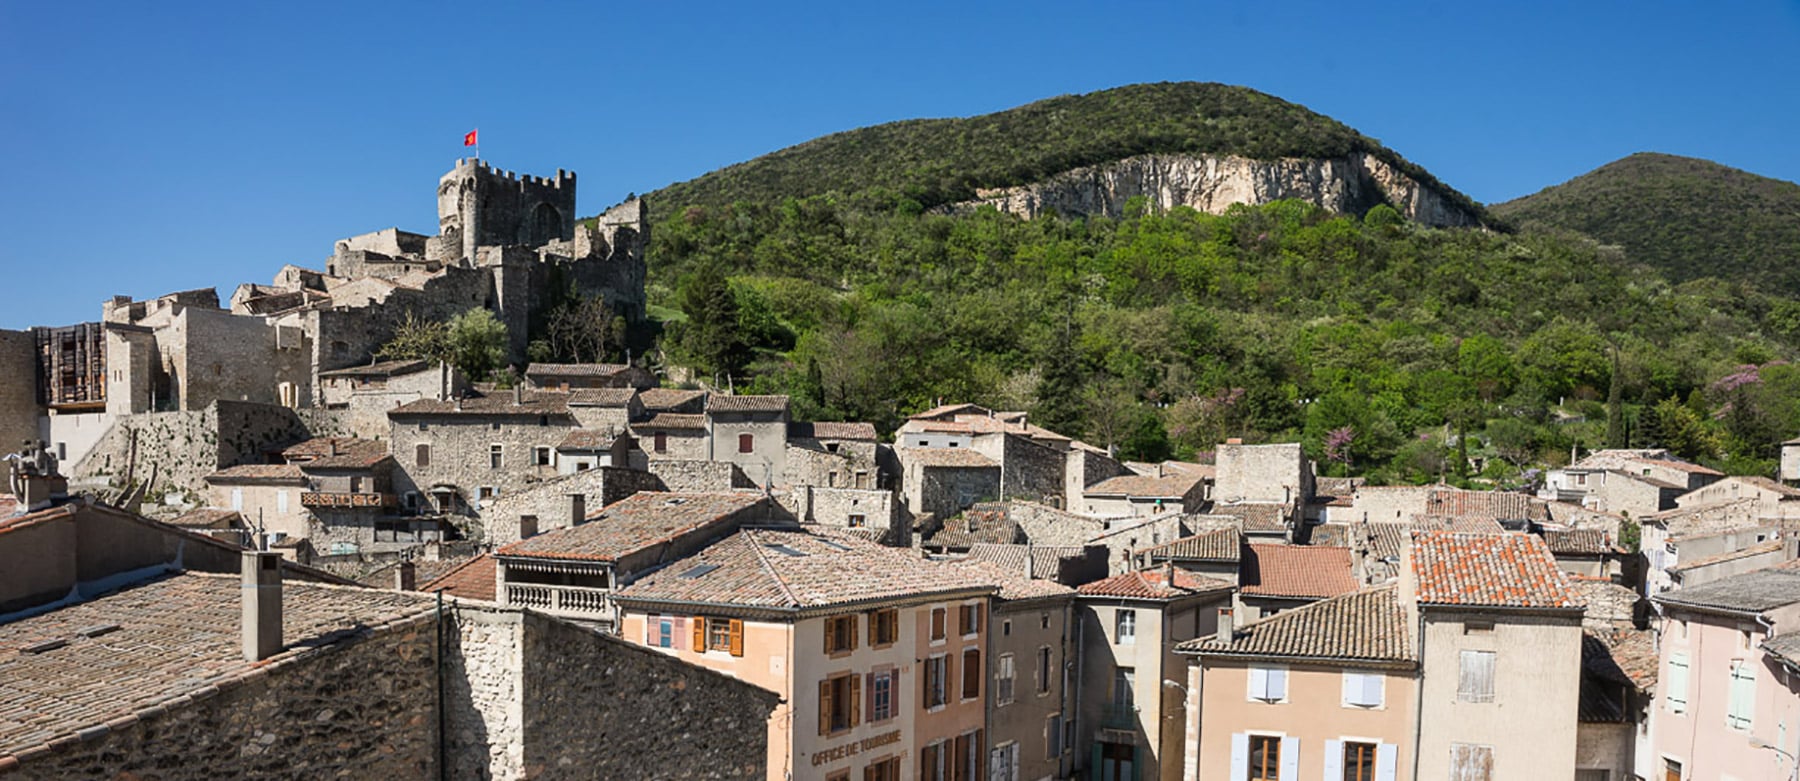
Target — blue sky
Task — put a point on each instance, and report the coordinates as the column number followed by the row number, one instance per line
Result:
column 153, row 148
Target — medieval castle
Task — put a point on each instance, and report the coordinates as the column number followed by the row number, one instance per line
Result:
column 506, row 242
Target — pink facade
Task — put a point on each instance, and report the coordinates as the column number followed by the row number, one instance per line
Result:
column 1721, row 699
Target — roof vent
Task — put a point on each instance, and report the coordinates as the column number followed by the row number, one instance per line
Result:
column 783, row 549
column 97, row 630
column 697, row 571
column 47, row 645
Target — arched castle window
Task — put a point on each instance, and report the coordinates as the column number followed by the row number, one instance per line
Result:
column 546, row 224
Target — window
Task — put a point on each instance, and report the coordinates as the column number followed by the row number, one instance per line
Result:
column 1363, row 690
column 838, row 775
column 881, row 694
column 858, row 521
column 840, row 634
column 1478, row 627
column 1677, row 683
column 1044, row 670
column 494, row 453
column 237, row 499
column 719, row 634
column 884, row 627
column 1125, row 627
column 969, row 619
column 281, row 501
column 540, row 456
column 971, row 670
column 1671, row 770
column 1006, row 628
column 1743, row 695
column 839, row 697
column 883, row 770
column 1003, row 679
column 659, row 632
column 1593, row 775
column 1476, row 682
column 485, row 493
column 1043, row 620
column 1005, row 763
column 965, row 758
column 1053, row 743
column 938, row 620
column 935, row 681
column 1470, row 762
column 932, row 765
column 661, row 441
column 422, row 454
column 1124, row 697
column 1359, row 762
column 1268, row 684
column 1264, row 758
column 746, row 443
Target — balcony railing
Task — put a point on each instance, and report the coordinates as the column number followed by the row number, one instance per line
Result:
column 335, row 500
column 1117, row 716
column 575, row 601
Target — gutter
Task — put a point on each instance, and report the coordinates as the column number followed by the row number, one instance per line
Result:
column 1419, row 696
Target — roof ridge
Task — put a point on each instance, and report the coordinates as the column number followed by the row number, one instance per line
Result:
column 453, row 571
column 756, row 548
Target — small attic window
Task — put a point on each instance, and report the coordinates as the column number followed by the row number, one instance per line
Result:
column 834, row 544
column 697, row 571
column 674, row 502
column 784, row 550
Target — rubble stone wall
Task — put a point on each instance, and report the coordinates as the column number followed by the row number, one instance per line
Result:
column 19, row 408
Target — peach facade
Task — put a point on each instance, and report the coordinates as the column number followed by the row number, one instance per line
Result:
column 1151, row 716
column 1527, row 725
column 1691, row 726
column 1315, row 718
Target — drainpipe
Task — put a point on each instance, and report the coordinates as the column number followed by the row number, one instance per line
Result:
column 1076, row 618
column 442, row 729
column 1419, row 698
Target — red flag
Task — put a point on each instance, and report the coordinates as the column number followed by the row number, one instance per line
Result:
column 469, row 138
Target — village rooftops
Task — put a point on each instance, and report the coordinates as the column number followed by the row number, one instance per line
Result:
column 575, row 369
column 666, row 399
column 1224, row 545
column 945, row 458
column 337, row 453
column 472, row 579
column 1508, row 570
column 1741, row 595
column 514, row 403
column 719, row 402
column 1154, row 584
column 278, row 474
column 974, row 526
column 208, row 518
column 1363, row 627
column 1042, row 561
column 602, row 397
column 674, row 422
column 380, row 370
column 1497, row 505
column 1172, row 486
column 1300, row 571
column 854, row 432
column 1257, row 516
column 132, row 654
column 1384, row 539
column 634, row 523
column 1580, row 542
column 799, row 572
column 587, row 439
column 1461, row 524
column 1015, row 585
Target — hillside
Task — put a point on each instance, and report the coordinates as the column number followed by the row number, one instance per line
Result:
column 935, row 162
column 1687, row 218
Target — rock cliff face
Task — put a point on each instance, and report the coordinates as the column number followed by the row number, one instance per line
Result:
column 1351, row 185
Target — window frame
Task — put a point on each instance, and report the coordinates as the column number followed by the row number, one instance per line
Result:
column 1005, row 675
column 935, row 682
column 1359, row 681
column 1046, row 667
column 1125, row 626
column 840, row 635
column 884, row 627
column 971, row 674
column 497, row 455
column 940, row 625
column 1467, row 679
column 1261, row 680
column 746, row 443
column 1271, row 770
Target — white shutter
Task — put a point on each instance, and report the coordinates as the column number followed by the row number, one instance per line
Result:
column 1259, row 683
column 1743, row 696
column 1334, row 758
column 1277, row 684
column 1387, row 755
column 1352, row 689
column 281, row 501
column 1678, row 682
column 1240, row 754
column 1290, row 759
column 1373, row 693
column 237, row 499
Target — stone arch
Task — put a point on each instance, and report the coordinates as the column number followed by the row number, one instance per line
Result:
column 546, row 224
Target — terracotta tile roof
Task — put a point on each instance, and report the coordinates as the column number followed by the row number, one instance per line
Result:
column 1014, row 584
column 972, row 527
column 337, row 453
column 602, row 397
column 945, row 457
column 574, row 369
column 771, row 569
column 1489, row 570
column 1461, row 524
column 587, row 439
column 176, row 636
column 1044, row 561
column 1215, row 545
column 1631, row 655
column 472, row 579
column 1681, row 466
column 1152, row 584
column 1785, row 647
column 1751, row 592
column 1759, row 549
column 1172, row 486
column 1258, row 516
column 1496, row 505
column 382, row 369
column 858, row 432
column 1308, row 571
column 1579, row 542
column 670, row 420
column 1602, row 460
column 948, row 409
column 719, row 402
column 635, row 523
column 498, row 403
column 1385, row 539
column 209, row 518
column 668, row 398
column 1362, row 626
column 258, row 473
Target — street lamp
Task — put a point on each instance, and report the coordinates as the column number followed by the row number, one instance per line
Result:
column 1793, row 775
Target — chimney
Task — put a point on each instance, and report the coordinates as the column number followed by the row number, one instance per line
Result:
column 527, row 527
column 1235, row 441
column 331, row 447
column 261, row 594
column 406, row 577
column 577, row 509
column 1225, row 628
column 1790, row 545
column 518, row 394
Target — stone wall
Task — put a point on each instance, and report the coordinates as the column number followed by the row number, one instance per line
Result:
column 361, row 708
column 834, row 507
column 684, row 476
column 809, row 463
column 1129, row 536
column 1083, row 468
column 1263, row 473
column 19, row 409
column 549, row 501
column 217, row 356
column 1046, row 525
column 181, row 448
column 462, row 456
column 946, row 491
column 1030, row 470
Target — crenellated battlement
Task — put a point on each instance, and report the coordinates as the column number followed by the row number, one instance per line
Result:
column 475, row 167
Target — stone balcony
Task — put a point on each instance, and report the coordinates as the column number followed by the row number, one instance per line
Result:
column 578, row 602
column 346, row 500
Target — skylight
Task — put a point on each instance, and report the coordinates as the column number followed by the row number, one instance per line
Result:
column 783, row 549
column 697, row 571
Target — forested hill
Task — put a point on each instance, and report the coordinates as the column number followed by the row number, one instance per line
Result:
column 937, row 161
column 1688, row 218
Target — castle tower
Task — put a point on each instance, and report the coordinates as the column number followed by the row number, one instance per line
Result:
column 479, row 206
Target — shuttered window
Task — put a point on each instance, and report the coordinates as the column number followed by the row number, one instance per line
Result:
column 1268, row 684
column 935, row 686
column 971, row 670
column 1476, row 682
column 1003, row 679
column 1363, row 690
column 840, row 634
column 840, row 701
column 1470, row 762
column 1677, row 684
column 1743, row 695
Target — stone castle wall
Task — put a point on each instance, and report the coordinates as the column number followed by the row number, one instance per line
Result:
column 179, row 449
column 549, row 500
column 700, row 476
column 1030, row 470
column 19, row 408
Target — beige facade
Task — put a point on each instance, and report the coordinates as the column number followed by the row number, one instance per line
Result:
column 1029, row 720
column 1322, row 720
column 1523, row 722
column 755, row 441
column 1132, row 708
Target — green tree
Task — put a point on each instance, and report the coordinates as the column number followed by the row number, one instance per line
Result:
column 477, row 343
column 1060, row 405
column 711, row 336
column 1684, row 433
column 416, row 339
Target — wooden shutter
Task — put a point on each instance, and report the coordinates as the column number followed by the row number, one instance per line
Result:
column 855, row 699
column 852, row 633
column 699, row 634
column 1290, row 759
column 1387, row 756
column 959, row 759
column 825, row 707
column 1259, row 683
column 737, row 637
column 1374, row 685
column 874, row 621
column 1334, row 760
column 1240, row 755
column 1475, row 682
column 1277, row 684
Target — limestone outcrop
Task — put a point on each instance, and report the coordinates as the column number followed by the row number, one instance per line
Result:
column 1209, row 183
